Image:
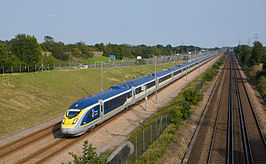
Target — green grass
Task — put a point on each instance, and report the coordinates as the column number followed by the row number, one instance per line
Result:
column 31, row 98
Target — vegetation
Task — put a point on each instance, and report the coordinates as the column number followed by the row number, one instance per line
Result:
column 179, row 111
column 89, row 155
column 212, row 72
column 193, row 96
column 31, row 98
column 24, row 50
column 253, row 61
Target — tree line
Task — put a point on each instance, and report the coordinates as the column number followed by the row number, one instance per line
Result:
column 25, row 50
column 251, row 56
column 253, row 60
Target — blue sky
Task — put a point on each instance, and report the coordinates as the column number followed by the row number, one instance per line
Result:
column 206, row 23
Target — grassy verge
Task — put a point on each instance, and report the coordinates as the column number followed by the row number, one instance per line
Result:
column 257, row 77
column 30, row 98
column 158, row 148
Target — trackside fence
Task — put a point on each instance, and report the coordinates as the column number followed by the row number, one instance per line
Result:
column 144, row 139
column 54, row 67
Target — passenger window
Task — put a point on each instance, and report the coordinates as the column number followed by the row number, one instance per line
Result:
column 115, row 102
column 111, row 103
column 89, row 114
column 118, row 100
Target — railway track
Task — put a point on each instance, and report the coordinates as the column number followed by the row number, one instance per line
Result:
column 48, row 150
column 51, row 145
column 237, row 136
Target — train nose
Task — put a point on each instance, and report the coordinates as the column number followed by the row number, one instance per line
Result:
column 66, row 130
column 72, row 131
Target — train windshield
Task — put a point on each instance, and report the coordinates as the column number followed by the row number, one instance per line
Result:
column 72, row 113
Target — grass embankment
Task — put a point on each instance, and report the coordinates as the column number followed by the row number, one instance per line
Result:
column 257, row 76
column 179, row 112
column 30, row 98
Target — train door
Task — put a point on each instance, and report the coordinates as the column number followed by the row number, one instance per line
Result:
column 101, row 109
column 133, row 92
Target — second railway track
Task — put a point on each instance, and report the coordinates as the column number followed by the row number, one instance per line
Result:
column 233, row 134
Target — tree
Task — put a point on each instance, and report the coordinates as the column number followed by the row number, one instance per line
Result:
column 49, row 39
column 48, row 44
column 4, row 57
column 89, row 155
column 26, row 48
column 257, row 53
column 60, row 51
column 244, row 54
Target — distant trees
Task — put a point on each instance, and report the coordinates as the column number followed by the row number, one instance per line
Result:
column 4, row 57
column 26, row 48
column 59, row 51
column 250, row 56
column 257, row 53
column 48, row 44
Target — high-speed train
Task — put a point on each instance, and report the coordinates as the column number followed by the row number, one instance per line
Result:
column 87, row 112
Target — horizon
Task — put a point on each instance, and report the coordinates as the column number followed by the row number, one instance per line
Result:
column 205, row 24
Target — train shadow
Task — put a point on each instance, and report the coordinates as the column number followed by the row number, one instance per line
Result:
column 57, row 132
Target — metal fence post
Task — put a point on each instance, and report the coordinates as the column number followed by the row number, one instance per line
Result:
column 156, row 129
column 143, row 141
column 20, row 69
column 48, row 68
column 54, row 67
column 136, row 148
column 151, row 134
column 28, row 69
column 3, row 70
column 12, row 69
column 161, row 127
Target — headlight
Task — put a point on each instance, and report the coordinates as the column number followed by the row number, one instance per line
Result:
column 63, row 121
column 75, row 121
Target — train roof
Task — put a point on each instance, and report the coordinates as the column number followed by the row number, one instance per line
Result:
column 119, row 88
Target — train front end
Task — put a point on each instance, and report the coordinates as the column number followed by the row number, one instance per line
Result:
column 70, row 125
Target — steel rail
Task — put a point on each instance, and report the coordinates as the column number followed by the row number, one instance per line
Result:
column 230, row 142
column 105, row 122
column 62, row 140
column 216, row 121
column 254, row 114
column 246, row 145
column 24, row 141
column 43, row 150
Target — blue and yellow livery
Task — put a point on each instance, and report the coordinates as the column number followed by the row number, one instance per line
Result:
column 86, row 113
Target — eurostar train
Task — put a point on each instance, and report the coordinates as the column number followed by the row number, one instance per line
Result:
column 90, row 111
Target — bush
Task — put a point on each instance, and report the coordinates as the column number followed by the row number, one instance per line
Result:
column 89, row 155
column 193, row 96
column 210, row 74
column 179, row 112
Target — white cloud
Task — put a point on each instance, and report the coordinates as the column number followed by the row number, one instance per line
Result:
column 52, row 16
